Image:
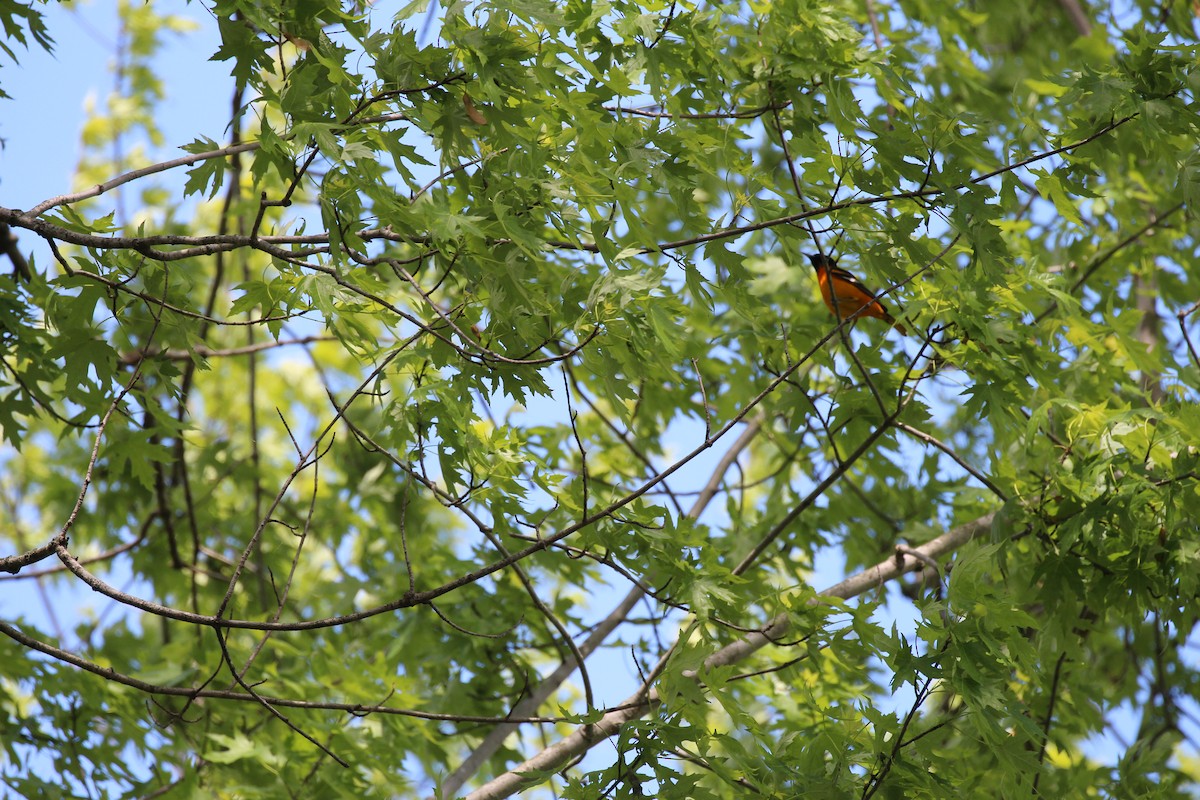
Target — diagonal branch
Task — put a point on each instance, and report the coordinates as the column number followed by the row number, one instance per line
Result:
column 587, row 736
column 530, row 704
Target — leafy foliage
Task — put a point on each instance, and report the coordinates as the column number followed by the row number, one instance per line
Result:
column 481, row 381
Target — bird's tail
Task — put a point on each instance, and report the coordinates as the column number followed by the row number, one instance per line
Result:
column 890, row 320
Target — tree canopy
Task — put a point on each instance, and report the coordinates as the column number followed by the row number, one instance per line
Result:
column 459, row 415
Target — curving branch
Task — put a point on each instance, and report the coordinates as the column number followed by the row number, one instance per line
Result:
column 195, row 246
column 413, row 598
column 191, row 693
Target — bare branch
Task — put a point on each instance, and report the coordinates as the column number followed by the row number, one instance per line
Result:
column 15, row 564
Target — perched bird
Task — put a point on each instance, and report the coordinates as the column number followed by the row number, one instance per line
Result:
column 846, row 295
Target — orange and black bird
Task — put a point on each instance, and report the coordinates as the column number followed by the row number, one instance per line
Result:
column 846, row 295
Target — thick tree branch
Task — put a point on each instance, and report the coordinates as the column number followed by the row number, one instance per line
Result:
column 637, row 705
column 15, row 564
column 195, row 246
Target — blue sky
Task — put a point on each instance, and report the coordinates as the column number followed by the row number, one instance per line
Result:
column 41, row 124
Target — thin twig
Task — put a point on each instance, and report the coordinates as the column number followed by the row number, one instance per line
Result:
column 945, row 448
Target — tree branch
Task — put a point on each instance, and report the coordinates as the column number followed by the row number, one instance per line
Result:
column 530, row 704
column 637, row 705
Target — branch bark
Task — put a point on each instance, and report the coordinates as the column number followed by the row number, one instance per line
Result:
column 640, row 703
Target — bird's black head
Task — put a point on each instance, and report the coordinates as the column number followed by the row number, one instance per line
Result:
column 820, row 260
